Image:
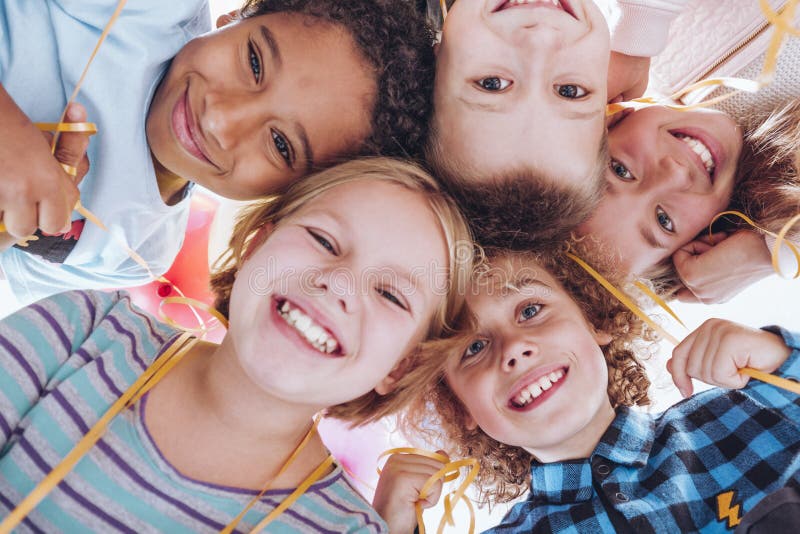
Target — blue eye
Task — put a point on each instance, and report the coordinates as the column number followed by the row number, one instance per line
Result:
column 664, row 220
column 255, row 62
column 621, row 171
column 388, row 295
column 570, row 91
column 322, row 241
column 474, row 348
column 283, row 147
column 529, row 312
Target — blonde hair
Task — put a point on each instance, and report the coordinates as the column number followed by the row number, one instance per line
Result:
column 767, row 182
column 505, row 469
column 274, row 209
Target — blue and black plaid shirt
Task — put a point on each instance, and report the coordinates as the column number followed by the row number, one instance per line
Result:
column 717, row 461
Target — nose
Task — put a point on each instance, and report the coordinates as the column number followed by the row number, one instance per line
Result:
column 228, row 117
column 339, row 287
column 517, row 352
column 673, row 175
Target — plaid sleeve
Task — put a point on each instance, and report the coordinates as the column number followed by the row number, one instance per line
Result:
column 775, row 397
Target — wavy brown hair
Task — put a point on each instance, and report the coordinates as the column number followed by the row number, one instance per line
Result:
column 505, row 469
column 767, row 183
column 419, row 365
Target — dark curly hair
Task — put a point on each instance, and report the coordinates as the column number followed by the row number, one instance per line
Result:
column 438, row 416
column 398, row 44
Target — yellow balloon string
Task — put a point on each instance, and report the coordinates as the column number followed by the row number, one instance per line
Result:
column 443, row 4
column 143, row 384
column 780, row 238
column 315, row 475
column 777, row 381
column 450, row 471
column 783, row 27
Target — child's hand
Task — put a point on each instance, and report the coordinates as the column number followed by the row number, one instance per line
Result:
column 715, row 270
column 398, row 490
column 627, row 77
column 35, row 190
column 716, row 351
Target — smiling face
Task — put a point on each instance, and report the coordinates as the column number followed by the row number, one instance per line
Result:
column 670, row 173
column 523, row 85
column 338, row 293
column 532, row 355
column 246, row 110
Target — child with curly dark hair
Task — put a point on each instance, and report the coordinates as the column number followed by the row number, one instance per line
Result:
column 286, row 87
column 539, row 387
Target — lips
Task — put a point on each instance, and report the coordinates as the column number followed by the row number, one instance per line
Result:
column 561, row 5
column 185, row 129
column 307, row 327
column 701, row 145
column 536, row 387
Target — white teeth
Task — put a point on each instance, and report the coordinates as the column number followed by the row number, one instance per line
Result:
column 316, row 335
column 699, row 148
column 532, row 391
column 522, row 2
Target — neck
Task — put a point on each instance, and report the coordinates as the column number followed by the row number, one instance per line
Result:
column 213, row 423
column 582, row 443
column 170, row 185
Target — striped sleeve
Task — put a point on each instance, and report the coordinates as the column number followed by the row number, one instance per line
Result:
column 37, row 341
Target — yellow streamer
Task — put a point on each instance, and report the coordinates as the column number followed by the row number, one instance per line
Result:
column 143, row 384
column 449, row 472
column 781, row 22
column 777, row 381
column 780, row 238
column 315, row 475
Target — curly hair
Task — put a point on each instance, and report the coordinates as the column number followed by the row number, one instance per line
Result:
column 767, row 183
column 521, row 208
column 398, row 44
column 505, row 469
column 248, row 234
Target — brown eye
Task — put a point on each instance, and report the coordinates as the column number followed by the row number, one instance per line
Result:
column 493, row 84
column 571, row 91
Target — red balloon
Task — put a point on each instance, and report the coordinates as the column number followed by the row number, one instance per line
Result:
column 188, row 273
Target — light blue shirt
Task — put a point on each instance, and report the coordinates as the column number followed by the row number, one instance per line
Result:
column 44, row 46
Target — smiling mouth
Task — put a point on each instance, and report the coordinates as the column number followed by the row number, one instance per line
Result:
column 536, row 389
column 318, row 337
column 185, row 130
column 557, row 4
column 702, row 151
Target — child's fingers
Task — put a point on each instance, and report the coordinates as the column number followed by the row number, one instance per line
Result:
column 72, row 146
column 20, row 221
column 678, row 366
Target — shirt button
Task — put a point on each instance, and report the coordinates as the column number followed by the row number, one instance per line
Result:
column 621, row 497
column 602, row 469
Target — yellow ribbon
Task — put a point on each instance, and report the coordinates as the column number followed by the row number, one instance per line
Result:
column 777, row 381
column 144, row 383
column 780, row 238
column 781, row 22
column 315, row 475
column 450, row 471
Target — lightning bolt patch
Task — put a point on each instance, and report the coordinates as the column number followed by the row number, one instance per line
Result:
column 726, row 511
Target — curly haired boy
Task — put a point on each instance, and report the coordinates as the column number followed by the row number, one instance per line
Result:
column 539, row 386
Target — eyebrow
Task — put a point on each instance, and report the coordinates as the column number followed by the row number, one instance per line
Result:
column 301, row 133
column 480, row 106
column 522, row 281
column 273, row 46
column 583, row 115
column 650, row 238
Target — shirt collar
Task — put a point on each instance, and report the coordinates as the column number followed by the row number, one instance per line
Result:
column 626, row 442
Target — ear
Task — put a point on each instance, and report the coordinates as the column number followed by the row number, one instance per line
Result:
column 227, row 18
column 470, row 423
column 389, row 383
column 258, row 240
column 602, row 338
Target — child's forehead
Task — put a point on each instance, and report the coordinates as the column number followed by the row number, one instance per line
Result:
column 511, row 275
